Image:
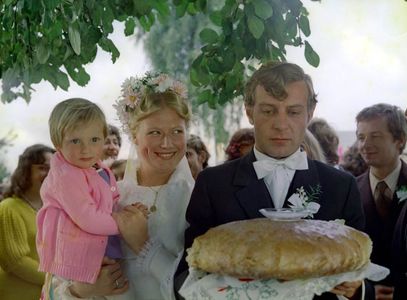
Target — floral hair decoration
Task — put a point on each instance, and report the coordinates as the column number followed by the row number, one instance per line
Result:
column 135, row 89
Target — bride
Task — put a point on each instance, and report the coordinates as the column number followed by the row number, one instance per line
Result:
column 155, row 114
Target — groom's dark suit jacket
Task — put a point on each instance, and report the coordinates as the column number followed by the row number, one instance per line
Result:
column 232, row 192
column 389, row 237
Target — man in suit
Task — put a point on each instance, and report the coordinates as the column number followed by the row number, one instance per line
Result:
column 381, row 134
column 279, row 102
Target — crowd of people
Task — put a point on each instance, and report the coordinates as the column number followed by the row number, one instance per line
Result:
column 77, row 222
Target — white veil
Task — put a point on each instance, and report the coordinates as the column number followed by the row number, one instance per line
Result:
column 132, row 164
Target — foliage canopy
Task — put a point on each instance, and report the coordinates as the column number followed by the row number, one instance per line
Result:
column 53, row 40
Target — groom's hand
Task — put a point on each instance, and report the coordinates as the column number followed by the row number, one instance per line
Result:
column 350, row 290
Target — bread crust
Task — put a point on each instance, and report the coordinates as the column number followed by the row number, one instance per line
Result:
column 263, row 249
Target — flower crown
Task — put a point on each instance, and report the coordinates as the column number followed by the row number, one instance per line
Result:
column 134, row 89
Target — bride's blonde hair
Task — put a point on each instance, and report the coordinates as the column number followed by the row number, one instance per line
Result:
column 153, row 102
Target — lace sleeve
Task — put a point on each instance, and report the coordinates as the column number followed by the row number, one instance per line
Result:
column 60, row 289
column 155, row 259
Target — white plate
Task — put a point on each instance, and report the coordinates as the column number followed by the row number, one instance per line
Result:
column 284, row 214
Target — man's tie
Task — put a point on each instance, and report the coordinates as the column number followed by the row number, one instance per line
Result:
column 383, row 199
column 275, row 174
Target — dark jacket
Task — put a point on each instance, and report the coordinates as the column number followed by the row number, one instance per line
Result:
column 232, row 192
column 389, row 237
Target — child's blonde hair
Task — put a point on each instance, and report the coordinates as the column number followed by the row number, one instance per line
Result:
column 69, row 114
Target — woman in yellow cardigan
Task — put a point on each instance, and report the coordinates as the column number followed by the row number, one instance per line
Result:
column 19, row 276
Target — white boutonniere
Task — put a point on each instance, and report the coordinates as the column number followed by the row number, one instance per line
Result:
column 402, row 193
column 306, row 201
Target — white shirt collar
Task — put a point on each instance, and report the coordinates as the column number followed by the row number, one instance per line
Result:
column 391, row 179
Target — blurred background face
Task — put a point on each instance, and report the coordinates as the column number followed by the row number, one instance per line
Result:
column 111, row 147
column 83, row 146
column 195, row 161
column 161, row 141
column 40, row 171
column 376, row 144
column 280, row 125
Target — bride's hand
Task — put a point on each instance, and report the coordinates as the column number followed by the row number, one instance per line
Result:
column 133, row 227
column 350, row 290
column 110, row 281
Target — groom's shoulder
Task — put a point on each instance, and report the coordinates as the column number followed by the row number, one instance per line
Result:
column 227, row 167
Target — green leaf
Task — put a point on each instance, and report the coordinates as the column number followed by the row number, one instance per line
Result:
column 216, row 18
column 215, row 65
column 263, row 9
column 198, row 74
column 294, row 6
column 212, row 101
column 202, row 5
column 256, row 26
column 78, row 74
column 75, row 38
column 231, row 83
column 204, row 96
column 304, row 25
column 107, row 45
column 130, row 24
column 162, row 8
column 107, row 19
column 142, row 7
column 310, row 55
column 191, row 9
column 68, row 53
column 62, row 80
column 181, row 9
column 208, row 36
column 229, row 59
column 193, row 77
column 50, row 4
column 145, row 23
column 291, row 26
column 42, row 53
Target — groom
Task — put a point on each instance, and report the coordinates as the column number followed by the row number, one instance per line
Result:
column 279, row 102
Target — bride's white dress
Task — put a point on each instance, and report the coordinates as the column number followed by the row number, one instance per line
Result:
column 151, row 272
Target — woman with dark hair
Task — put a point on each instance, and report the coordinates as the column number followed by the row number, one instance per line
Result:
column 327, row 138
column 19, row 276
column 353, row 162
column 197, row 154
column 241, row 143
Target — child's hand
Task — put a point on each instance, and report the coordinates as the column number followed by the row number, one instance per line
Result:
column 142, row 208
column 133, row 227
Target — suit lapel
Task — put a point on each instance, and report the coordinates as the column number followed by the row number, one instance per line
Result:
column 304, row 178
column 253, row 194
column 402, row 181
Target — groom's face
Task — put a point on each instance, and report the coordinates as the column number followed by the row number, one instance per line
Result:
column 280, row 125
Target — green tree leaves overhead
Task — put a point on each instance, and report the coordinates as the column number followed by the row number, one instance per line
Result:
column 54, row 40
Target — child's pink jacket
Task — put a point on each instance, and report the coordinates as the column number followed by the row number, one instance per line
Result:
column 75, row 220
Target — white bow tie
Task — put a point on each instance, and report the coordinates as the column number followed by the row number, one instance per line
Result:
column 297, row 161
